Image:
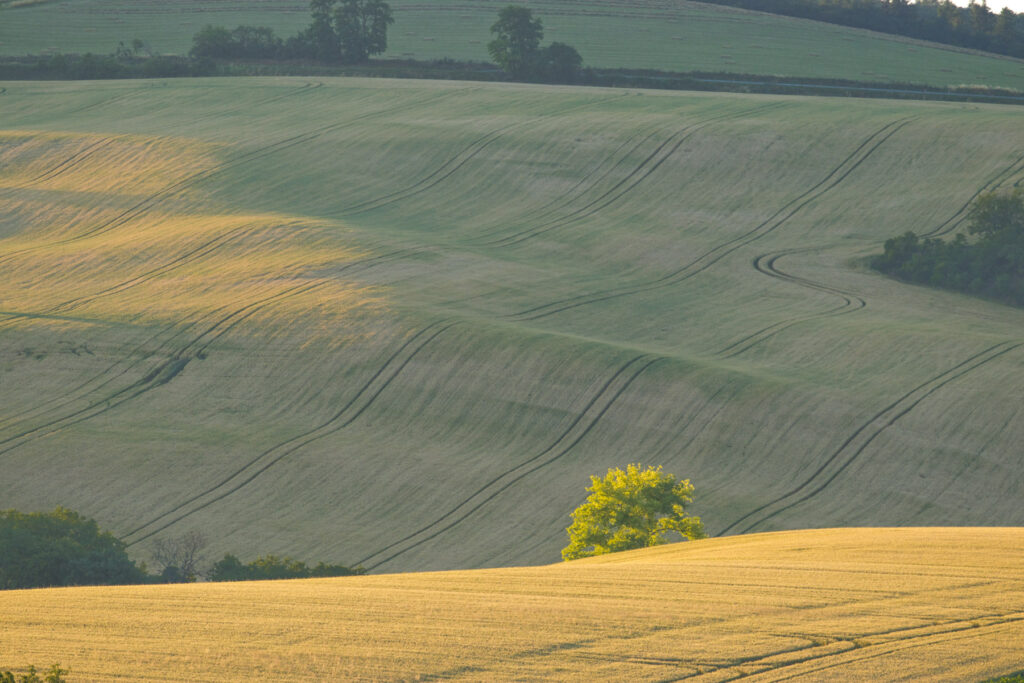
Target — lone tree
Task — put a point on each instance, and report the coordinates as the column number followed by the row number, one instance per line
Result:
column 349, row 30
column 632, row 509
column 517, row 40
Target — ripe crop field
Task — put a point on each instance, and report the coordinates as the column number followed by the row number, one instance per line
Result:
column 671, row 35
column 826, row 605
column 399, row 323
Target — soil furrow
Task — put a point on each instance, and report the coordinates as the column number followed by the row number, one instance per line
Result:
column 492, row 496
column 554, row 444
column 293, row 444
column 896, row 408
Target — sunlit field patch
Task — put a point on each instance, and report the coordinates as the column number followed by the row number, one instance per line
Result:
column 852, row 604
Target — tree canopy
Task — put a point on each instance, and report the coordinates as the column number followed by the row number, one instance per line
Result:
column 60, row 548
column 992, row 266
column 631, row 509
column 349, row 30
column 517, row 39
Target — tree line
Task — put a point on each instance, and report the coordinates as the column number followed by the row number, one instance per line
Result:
column 341, row 32
column 975, row 26
column 63, row 548
column 991, row 266
column 350, row 31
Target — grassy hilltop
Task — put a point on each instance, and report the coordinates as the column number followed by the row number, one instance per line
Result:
column 849, row 604
column 400, row 323
column 671, row 35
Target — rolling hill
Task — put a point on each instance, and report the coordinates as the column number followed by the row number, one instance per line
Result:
column 673, row 35
column 400, row 323
column 837, row 604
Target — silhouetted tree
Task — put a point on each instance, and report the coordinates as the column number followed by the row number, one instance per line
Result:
column 517, row 39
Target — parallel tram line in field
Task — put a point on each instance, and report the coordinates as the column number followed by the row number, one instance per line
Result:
column 460, row 159
column 342, row 418
column 839, row 173
column 765, row 263
column 174, row 361
column 599, row 405
column 959, row 217
column 143, row 352
column 638, row 175
column 857, row 442
column 141, row 207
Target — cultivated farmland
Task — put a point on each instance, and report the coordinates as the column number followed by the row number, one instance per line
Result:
column 400, row 323
column 650, row 34
column 849, row 604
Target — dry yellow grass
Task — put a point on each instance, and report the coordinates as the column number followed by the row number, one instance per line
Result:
column 835, row 604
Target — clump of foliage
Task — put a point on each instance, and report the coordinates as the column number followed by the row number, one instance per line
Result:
column 991, row 266
column 54, row 675
column 179, row 557
column 516, row 49
column 635, row 508
column 242, row 42
column 230, row 568
column 1011, row 678
column 941, row 21
column 342, row 31
column 60, row 548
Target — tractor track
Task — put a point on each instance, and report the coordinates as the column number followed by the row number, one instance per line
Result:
column 862, row 437
column 162, row 373
column 72, row 161
column 244, row 475
column 839, row 173
column 571, row 437
column 187, row 258
column 765, row 263
column 639, row 174
column 960, row 216
column 147, row 203
column 177, row 329
column 456, row 162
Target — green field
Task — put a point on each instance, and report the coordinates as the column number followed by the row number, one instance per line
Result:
column 822, row 605
column 401, row 322
column 653, row 34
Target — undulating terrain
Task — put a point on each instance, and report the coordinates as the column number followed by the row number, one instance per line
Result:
column 400, row 323
column 674, row 35
column 838, row 604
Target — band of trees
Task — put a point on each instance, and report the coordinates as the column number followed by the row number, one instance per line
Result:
column 349, row 31
column 63, row 548
column 975, row 26
column 991, row 266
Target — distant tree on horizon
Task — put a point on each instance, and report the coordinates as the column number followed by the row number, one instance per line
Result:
column 517, row 40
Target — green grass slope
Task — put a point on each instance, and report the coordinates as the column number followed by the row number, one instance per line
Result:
column 400, row 323
column 670, row 35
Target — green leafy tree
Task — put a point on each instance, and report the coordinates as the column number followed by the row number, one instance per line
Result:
column 362, row 28
column 517, row 39
column 630, row 509
column 349, row 30
column 560, row 63
column 60, row 548
column 996, row 216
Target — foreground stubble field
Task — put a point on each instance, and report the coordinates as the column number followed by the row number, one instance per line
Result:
column 400, row 323
column 824, row 605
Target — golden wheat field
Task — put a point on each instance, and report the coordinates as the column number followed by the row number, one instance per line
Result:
column 824, row 605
